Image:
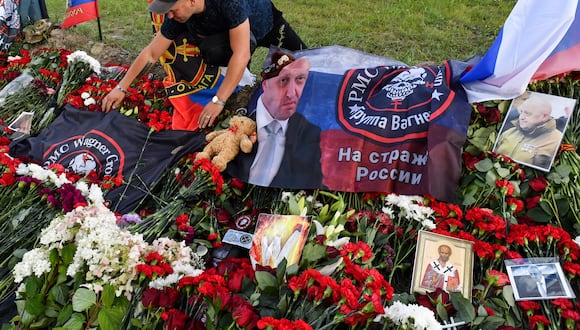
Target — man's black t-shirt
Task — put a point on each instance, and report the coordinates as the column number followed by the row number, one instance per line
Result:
column 222, row 15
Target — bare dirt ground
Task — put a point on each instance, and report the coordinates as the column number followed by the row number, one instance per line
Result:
column 61, row 38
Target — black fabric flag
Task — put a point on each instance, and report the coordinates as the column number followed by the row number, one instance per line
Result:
column 110, row 144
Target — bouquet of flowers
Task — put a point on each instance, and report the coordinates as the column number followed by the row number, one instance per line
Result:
column 86, row 270
column 200, row 177
column 80, row 67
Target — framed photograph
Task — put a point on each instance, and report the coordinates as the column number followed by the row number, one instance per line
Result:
column 442, row 262
column 533, row 129
column 278, row 237
column 538, row 280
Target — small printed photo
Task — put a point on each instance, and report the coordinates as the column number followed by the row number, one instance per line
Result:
column 533, row 129
column 442, row 262
column 535, row 281
column 23, row 123
column 278, row 237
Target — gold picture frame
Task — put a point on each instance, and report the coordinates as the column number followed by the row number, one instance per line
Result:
column 429, row 273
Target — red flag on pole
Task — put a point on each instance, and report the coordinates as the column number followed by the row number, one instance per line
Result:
column 79, row 11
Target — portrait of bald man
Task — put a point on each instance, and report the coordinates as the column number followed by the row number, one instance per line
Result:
column 533, row 137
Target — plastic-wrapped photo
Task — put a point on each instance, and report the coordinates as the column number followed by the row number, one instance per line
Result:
column 533, row 129
column 278, row 237
column 537, row 279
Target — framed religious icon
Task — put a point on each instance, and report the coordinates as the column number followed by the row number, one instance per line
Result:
column 533, row 129
column 442, row 262
column 536, row 279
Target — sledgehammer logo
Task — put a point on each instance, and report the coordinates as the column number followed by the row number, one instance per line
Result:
column 392, row 104
column 85, row 153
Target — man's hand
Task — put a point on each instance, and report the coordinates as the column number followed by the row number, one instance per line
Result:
column 209, row 114
column 112, row 100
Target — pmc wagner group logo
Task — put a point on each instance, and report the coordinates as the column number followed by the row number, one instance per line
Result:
column 93, row 151
column 392, row 104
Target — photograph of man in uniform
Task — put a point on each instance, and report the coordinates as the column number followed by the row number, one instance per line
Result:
column 532, row 131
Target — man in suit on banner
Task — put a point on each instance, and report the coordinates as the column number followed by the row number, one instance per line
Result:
column 287, row 153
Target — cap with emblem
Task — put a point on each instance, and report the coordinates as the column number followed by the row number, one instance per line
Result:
column 279, row 61
column 161, row 6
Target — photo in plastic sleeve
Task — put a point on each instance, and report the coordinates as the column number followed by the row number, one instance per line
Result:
column 533, row 129
column 23, row 123
column 278, row 237
column 442, row 262
column 536, row 279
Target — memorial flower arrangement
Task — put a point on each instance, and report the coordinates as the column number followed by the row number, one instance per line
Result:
column 155, row 268
column 80, row 66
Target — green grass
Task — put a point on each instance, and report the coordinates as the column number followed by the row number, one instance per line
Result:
column 412, row 31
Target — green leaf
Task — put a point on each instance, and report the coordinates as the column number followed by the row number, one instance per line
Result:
column 76, row 322
column 68, row 253
column 108, row 295
column 266, row 280
column 110, row 318
column 563, row 207
column 564, row 170
column 83, row 299
column 546, row 207
column 34, row 305
column 281, row 270
column 59, row 294
column 481, row 311
column 490, row 178
column 478, row 320
column 442, row 312
column 292, row 270
column 508, row 296
column 465, row 311
column 500, row 303
column 484, row 165
column 539, row 215
column 312, row 252
column 492, row 323
column 64, row 315
column 32, row 285
column 293, row 207
column 503, row 172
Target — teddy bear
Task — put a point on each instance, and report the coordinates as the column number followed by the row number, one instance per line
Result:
column 224, row 145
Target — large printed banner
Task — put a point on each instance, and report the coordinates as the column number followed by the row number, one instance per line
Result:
column 369, row 124
column 110, row 144
column 79, row 11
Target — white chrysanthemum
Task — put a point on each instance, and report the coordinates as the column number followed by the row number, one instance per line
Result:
column 96, row 195
column 82, row 56
column 89, row 101
column 411, row 316
column 429, row 224
column 409, row 208
column 388, row 211
column 183, row 261
column 33, row 262
column 85, row 95
column 286, row 196
column 83, row 187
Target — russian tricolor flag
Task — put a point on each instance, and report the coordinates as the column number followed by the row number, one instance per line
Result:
column 539, row 39
column 79, row 11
